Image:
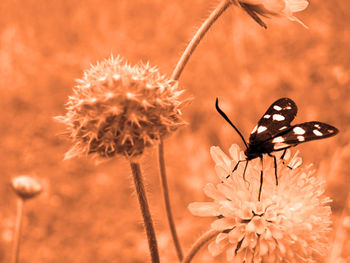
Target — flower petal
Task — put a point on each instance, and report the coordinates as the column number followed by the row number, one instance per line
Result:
column 249, row 257
column 295, row 162
column 211, row 191
column 246, row 211
column 296, row 5
column 263, row 247
column 274, row 6
column 219, row 156
column 221, row 236
column 223, row 224
column 293, row 18
column 240, row 256
column 282, row 248
column 216, row 248
column 227, row 191
column 221, row 172
column 204, row 209
column 256, row 225
column 276, row 233
column 235, row 152
column 230, row 253
column 237, row 234
column 227, row 209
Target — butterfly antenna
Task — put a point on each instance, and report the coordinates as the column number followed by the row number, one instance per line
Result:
column 228, row 120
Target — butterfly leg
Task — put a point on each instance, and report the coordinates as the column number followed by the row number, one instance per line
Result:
column 283, row 154
column 245, row 169
column 261, row 177
column 235, row 168
column 275, row 165
column 282, row 157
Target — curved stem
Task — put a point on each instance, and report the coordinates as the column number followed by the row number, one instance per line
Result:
column 201, row 241
column 175, row 76
column 166, row 197
column 198, row 37
column 17, row 233
column 147, row 219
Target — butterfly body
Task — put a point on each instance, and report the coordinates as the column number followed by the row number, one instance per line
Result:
column 257, row 150
column 274, row 132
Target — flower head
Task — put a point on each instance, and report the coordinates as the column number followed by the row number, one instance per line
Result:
column 273, row 8
column 121, row 109
column 26, row 187
column 289, row 223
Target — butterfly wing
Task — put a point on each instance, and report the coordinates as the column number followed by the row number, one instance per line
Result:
column 304, row 132
column 276, row 120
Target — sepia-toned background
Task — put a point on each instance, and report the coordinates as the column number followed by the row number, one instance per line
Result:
column 88, row 212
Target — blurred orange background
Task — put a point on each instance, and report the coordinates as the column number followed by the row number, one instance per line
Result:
column 89, row 213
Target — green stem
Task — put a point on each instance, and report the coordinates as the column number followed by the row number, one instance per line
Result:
column 201, row 241
column 166, row 197
column 198, row 37
column 147, row 219
column 17, row 233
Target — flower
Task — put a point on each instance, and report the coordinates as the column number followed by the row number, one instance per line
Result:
column 121, row 109
column 273, row 7
column 289, row 224
column 26, row 187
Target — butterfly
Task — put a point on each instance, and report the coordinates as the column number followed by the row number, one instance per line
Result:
column 274, row 132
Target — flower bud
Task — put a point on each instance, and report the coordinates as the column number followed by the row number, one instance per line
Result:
column 26, row 187
column 286, row 8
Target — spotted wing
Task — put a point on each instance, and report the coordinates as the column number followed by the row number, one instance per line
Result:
column 276, row 120
column 304, row 132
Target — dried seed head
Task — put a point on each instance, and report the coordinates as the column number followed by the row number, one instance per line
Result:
column 120, row 109
column 26, row 187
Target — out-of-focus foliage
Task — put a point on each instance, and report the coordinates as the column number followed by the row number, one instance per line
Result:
column 89, row 213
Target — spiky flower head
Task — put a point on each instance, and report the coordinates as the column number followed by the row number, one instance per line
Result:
column 266, row 8
column 26, row 186
column 121, row 109
column 289, row 224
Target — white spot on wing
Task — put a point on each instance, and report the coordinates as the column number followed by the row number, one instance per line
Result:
column 278, row 117
column 261, row 129
column 278, row 139
column 282, row 128
column 279, row 145
column 317, row 126
column 317, row 132
column 299, row 131
column 288, row 107
column 267, row 116
column 301, row 138
column 254, row 130
column 276, row 107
